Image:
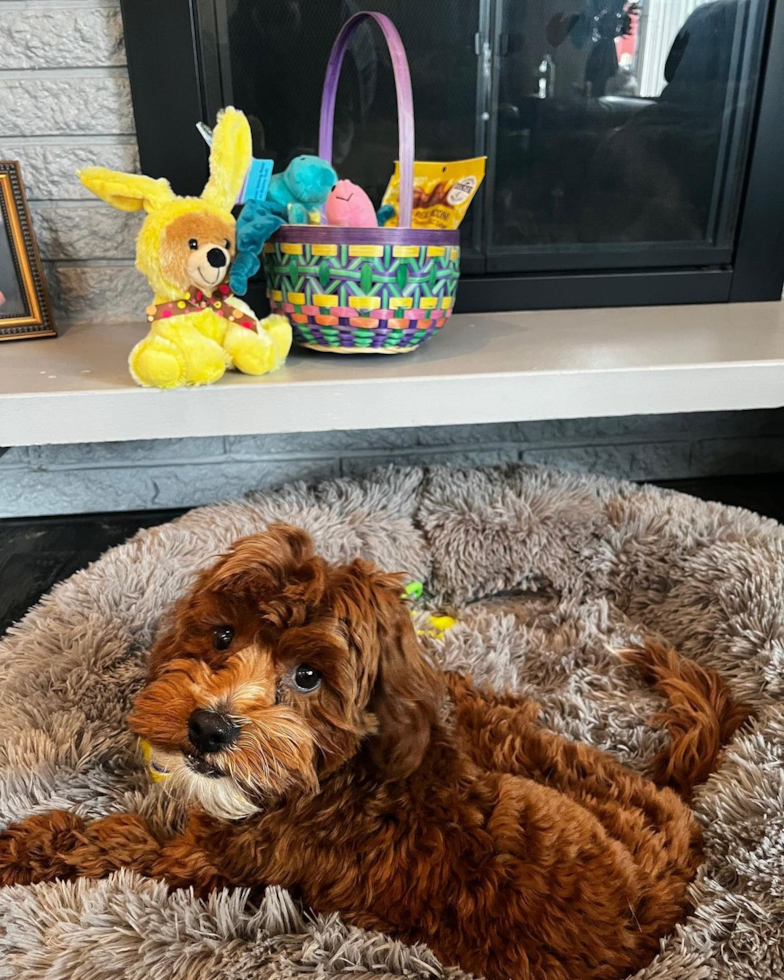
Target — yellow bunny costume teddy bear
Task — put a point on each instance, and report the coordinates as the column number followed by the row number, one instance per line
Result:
column 198, row 329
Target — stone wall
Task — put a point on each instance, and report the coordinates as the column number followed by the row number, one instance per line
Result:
column 65, row 103
column 39, row 480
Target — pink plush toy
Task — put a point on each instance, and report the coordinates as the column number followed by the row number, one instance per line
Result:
column 349, row 206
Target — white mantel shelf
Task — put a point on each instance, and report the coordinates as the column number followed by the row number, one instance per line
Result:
column 483, row 368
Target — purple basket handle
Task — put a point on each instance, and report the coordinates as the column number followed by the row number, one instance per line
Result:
column 405, row 103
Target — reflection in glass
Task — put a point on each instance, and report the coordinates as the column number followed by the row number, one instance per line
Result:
column 616, row 131
column 627, row 147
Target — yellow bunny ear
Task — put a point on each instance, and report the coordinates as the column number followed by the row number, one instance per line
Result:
column 230, row 158
column 128, row 192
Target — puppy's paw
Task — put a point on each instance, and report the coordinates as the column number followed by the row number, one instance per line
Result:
column 35, row 849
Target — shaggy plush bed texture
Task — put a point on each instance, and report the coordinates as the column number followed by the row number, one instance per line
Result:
column 545, row 571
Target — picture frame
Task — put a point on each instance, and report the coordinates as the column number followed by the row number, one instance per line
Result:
column 25, row 309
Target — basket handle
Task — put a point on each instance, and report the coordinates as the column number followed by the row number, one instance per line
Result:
column 405, row 103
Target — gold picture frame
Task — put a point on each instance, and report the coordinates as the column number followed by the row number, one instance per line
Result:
column 25, row 310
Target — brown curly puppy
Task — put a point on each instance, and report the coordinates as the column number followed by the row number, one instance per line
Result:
column 320, row 751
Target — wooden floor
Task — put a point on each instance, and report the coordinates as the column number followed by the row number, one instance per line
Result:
column 37, row 552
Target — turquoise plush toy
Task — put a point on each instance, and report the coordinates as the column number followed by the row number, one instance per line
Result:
column 257, row 221
column 302, row 188
column 295, row 197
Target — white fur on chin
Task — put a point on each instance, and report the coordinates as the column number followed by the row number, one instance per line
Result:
column 218, row 796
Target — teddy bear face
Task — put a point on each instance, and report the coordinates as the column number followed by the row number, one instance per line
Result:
column 197, row 249
column 184, row 241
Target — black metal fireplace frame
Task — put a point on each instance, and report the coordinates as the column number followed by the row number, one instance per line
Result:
column 167, row 102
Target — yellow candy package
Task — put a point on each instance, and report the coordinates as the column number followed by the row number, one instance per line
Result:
column 442, row 191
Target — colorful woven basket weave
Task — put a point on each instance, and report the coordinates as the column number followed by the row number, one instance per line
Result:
column 365, row 290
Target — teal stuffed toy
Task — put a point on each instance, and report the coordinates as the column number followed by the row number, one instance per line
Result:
column 384, row 213
column 257, row 221
column 302, row 188
column 295, row 197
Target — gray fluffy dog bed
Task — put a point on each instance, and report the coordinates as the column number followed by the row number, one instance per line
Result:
column 545, row 570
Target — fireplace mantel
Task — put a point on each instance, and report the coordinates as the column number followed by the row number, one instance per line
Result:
column 483, row 368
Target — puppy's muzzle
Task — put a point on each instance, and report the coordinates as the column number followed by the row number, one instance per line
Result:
column 211, row 731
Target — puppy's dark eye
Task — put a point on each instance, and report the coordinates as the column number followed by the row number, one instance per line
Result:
column 306, row 678
column 227, row 244
column 193, row 244
column 222, row 637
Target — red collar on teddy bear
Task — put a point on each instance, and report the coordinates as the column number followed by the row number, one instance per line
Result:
column 196, row 300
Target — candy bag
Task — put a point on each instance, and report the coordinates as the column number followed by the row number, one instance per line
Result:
column 442, row 191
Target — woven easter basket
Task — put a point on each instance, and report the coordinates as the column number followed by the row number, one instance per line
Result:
column 365, row 290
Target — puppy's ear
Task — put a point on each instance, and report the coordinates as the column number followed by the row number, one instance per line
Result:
column 269, row 559
column 407, row 691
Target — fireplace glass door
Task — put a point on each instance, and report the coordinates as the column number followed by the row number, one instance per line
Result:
column 615, row 132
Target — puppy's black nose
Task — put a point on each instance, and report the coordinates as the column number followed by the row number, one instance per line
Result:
column 217, row 258
column 210, row 731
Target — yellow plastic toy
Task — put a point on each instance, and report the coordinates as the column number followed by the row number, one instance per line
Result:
column 198, row 329
column 436, row 625
column 156, row 771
